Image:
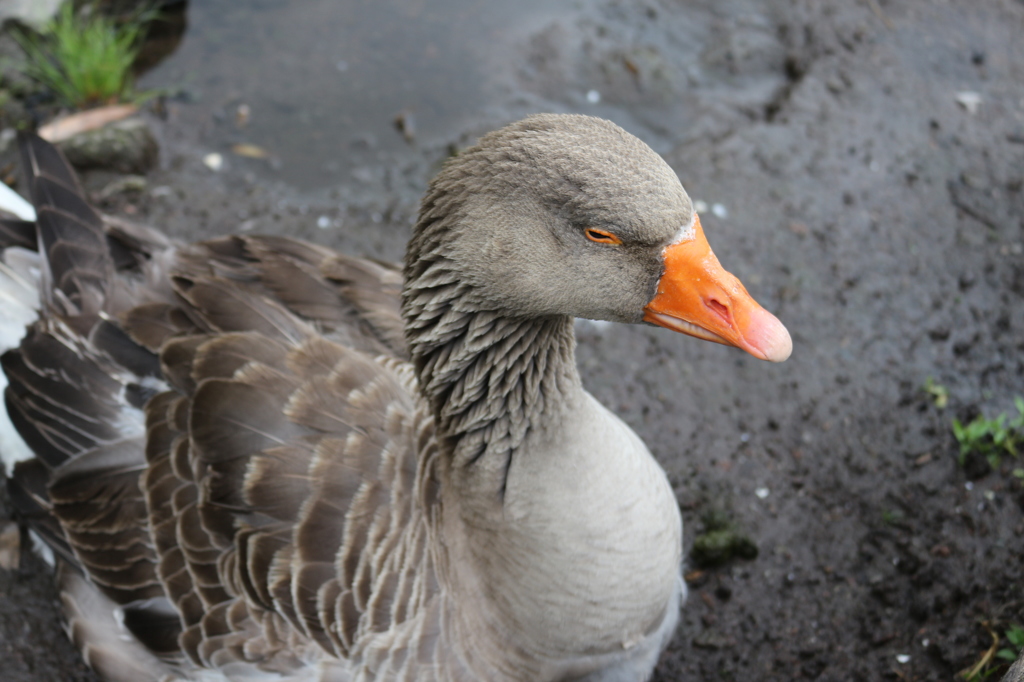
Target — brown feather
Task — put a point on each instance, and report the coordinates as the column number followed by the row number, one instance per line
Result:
column 153, row 324
column 374, row 288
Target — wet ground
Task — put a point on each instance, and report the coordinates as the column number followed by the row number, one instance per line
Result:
column 878, row 216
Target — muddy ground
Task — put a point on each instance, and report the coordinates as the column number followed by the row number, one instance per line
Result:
column 880, row 218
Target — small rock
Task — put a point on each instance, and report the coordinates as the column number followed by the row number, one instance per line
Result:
column 213, row 161
column 969, row 100
column 127, row 146
column 593, row 96
column 835, row 85
column 242, row 115
column 34, row 13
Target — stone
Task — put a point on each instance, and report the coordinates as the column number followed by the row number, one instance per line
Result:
column 34, row 13
column 127, row 146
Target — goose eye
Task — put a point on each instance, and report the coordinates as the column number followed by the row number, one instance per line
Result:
column 601, row 236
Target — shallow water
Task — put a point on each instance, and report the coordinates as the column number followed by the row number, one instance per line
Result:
column 325, row 80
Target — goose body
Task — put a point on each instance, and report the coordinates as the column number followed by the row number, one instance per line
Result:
column 256, row 458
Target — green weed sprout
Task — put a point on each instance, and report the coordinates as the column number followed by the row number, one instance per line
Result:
column 1015, row 636
column 991, row 437
column 85, row 59
column 985, row 667
column 939, row 393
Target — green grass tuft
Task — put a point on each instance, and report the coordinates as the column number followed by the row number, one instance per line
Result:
column 85, row 59
column 991, row 437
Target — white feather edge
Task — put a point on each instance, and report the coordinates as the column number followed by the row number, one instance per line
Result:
column 19, row 307
column 12, row 202
column 42, row 549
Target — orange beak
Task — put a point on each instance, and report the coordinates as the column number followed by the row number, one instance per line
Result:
column 696, row 296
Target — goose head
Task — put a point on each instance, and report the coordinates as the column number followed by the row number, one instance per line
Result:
column 572, row 215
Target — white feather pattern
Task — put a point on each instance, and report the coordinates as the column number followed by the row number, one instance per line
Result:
column 19, row 307
column 12, row 202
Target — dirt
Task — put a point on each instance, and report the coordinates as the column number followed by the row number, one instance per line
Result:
column 880, row 218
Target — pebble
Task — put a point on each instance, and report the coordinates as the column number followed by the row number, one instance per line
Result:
column 125, row 146
column 593, row 96
column 213, row 161
column 969, row 100
column 242, row 115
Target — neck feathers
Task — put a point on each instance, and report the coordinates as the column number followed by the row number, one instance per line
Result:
column 490, row 376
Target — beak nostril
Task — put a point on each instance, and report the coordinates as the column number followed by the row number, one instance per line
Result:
column 720, row 308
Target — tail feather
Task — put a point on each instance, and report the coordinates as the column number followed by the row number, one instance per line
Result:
column 77, row 383
column 105, row 641
column 40, row 159
column 77, row 263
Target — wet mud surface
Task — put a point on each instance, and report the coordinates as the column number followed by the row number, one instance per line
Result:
column 880, row 218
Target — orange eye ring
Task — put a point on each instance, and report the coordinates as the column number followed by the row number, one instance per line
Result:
column 601, row 236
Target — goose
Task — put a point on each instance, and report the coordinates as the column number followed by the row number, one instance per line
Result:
column 255, row 458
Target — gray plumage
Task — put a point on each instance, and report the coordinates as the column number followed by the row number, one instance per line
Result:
column 263, row 458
